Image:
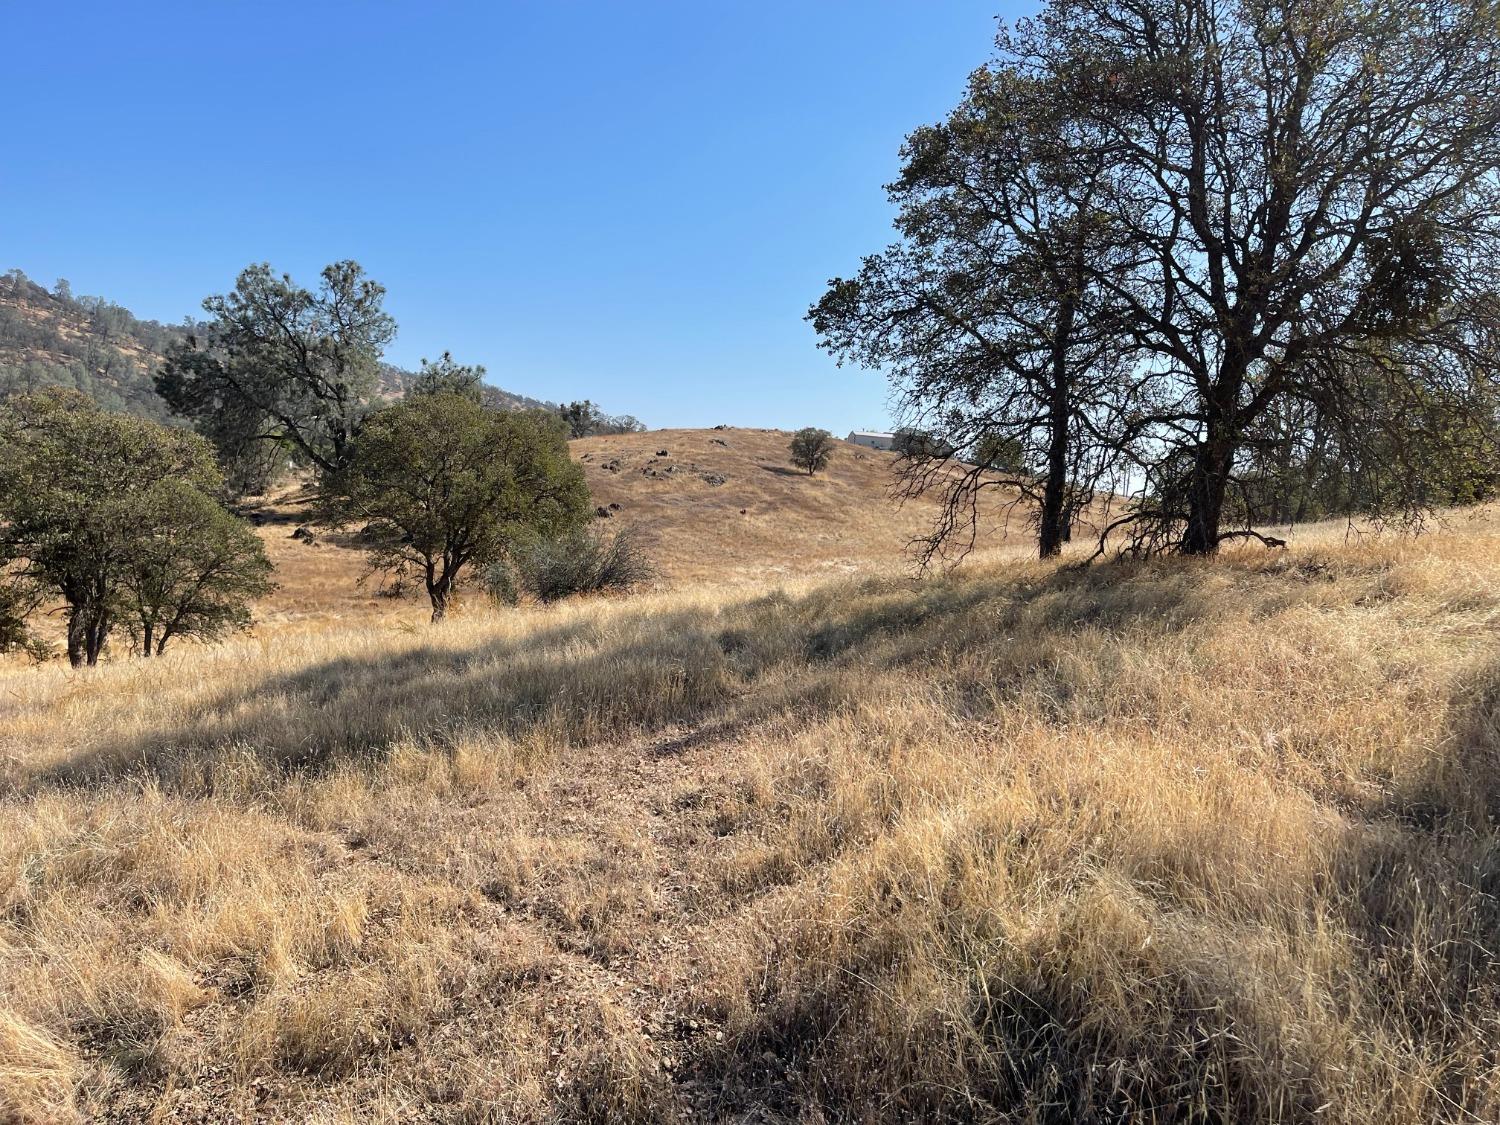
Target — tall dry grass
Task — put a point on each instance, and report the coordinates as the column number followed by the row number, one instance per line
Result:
column 1188, row 841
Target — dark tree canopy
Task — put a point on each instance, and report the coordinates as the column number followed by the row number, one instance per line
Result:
column 811, row 449
column 280, row 364
column 986, row 315
column 1199, row 250
column 1309, row 194
column 119, row 518
column 441, row 483
column 587, row 419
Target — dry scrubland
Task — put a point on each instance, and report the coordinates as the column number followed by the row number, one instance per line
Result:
column 1179, row 841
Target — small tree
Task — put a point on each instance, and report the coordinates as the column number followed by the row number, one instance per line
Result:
column 587, row 419
column 443, row 483
column 193, row 572
column 580, row 561
column 98, row 508
column 811, row 449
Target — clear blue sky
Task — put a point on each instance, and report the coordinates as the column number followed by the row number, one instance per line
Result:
column 629, row 202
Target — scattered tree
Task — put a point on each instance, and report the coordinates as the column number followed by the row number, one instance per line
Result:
column 585, row 419
column 811, row 449
column 280, row 364
column 105, row 512
column 442, row 483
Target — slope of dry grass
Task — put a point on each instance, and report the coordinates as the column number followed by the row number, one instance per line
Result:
column 726, row 506
column 723, row 507
column 1186, row 841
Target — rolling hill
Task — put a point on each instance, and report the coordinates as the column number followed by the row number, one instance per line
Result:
column 715, row 507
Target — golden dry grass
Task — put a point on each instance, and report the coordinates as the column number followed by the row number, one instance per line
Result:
column 723, row 507
column 726, row 506
column 1206, row 841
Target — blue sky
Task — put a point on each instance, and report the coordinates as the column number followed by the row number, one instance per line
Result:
column 633, row 203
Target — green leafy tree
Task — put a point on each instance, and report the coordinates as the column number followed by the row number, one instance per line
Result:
column 98, row 509
column 581, row 418
column 442, row 483
column 19, row 597
column 587, row 419
column 193, row 571
column 277, row 363
column 811, row 449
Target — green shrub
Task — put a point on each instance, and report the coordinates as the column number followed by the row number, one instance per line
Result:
column 581, row 562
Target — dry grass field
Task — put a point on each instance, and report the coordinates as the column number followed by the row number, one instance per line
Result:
column 1180, row 841
column 723, row 507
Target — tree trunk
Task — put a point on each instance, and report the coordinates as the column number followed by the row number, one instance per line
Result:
column 1051, row 532
column 95, row 636
column 439, row 589
column 1206, row 491
column 75, row 639
column 146, row 649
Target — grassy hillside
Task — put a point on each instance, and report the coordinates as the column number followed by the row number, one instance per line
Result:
column 725, row 505
column 1182, row 841
column 722, row 507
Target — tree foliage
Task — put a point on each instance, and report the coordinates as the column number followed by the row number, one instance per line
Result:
column 811, row 449
column 582, row 560
column 282, row 365
column 118, row 517
column 445, row 375
column 441, row 483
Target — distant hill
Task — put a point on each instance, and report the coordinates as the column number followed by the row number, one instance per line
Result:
column 727, row 505
column 52, row 338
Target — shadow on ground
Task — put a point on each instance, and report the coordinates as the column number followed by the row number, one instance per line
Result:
column 632, row 673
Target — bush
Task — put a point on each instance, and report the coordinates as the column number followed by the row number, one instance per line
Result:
column 580, row 562
column 499, row 579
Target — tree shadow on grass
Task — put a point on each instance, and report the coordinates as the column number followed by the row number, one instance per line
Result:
column 625, row 673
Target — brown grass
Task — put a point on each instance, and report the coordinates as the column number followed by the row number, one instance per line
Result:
column 1168, row 842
